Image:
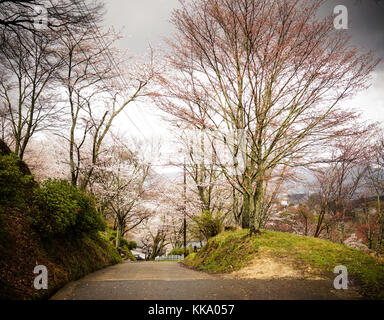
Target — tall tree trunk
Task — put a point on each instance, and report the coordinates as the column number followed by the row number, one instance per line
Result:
column 118, row 234
column 256, row 216
column 72, row 142
column 381, row 225
column 235, row 207
column 319, row 225
column 245, row 212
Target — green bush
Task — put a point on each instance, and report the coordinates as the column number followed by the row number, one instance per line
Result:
column 88, row 219
column 14, row 184
column 178, row 252
column 132, row 245
column 129, row 244
column 112, row 234
column 61, row 208
column 209, row 225
column 123, row 242
column 125, row 245
column 55, row 208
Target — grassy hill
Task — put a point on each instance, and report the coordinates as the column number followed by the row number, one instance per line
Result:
column 233, row 250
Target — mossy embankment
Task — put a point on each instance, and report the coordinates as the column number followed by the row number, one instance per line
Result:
column 234, row 250
column 66, row 259
column 52, row 224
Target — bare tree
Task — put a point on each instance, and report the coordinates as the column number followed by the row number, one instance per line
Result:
column 340, row 180
column 209, row 183
column 27, row 88
column 176, row 232
column 374, row 183
column 22, row 16
column 97, row 92
column 156, row 238
column 31, row 61
column 268, row 73
column 82, row 82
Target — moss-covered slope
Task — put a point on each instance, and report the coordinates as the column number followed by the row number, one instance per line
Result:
column 66, row 259
column 78, row 249
column 230, row 251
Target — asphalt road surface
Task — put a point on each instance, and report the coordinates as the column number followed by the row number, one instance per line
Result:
column 173, row 281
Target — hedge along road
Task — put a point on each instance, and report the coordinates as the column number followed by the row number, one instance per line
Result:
column 173, row 281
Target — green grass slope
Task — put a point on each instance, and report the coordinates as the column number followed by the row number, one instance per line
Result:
column 233, row 250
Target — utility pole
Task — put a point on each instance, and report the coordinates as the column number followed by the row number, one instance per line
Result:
column 185, row 209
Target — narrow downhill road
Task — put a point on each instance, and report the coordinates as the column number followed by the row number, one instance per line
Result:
column 173, row 281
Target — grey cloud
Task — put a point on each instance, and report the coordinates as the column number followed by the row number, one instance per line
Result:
column 147, row 21
column 366, row 23
column 144, row 21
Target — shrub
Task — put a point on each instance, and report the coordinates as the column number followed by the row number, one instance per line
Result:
column 129, row 244
column 55, row 208
column 209, row 225
column 127, row 254
column 123, row 242
column 88, row 219
column 125, row 246
column 14, row 184
column 112, row 234
column 178, row 252
column 61, row 208
column 132, row 245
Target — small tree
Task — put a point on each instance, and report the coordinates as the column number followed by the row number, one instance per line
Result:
column 374, row 184
column 119, row 183
column 154, row 242
column 340, row 180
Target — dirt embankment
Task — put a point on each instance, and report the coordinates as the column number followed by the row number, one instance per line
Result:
column 264, row 267
column 66, row 260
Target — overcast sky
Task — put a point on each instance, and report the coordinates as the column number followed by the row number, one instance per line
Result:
column 141, row 21
column 147, row 21
column 366, row 26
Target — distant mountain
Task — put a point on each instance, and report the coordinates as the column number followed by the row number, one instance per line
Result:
column 297, row 198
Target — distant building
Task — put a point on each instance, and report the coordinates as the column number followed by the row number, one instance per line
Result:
column 196, row 244
column 283, row 199
column 286, row 199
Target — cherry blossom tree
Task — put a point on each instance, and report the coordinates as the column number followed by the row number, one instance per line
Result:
column 374, row 185
column 270, row 74
column 340, row 179
column 97, row 91
column 119, row 183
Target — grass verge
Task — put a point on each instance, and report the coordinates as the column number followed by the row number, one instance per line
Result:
column 233, row 250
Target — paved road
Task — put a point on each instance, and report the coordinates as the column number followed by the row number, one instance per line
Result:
column 173, row 281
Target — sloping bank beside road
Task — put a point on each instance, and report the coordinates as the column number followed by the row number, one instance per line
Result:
column 273, row 255
column 52, row 224
column 66, row 260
